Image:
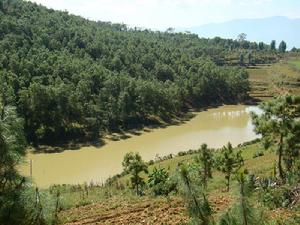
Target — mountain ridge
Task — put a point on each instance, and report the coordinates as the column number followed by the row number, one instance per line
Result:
column 257, row 29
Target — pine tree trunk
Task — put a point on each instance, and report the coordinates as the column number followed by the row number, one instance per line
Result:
column 244, row 206
column 228, row 182
column 202, row 217
column 3, row 107
column 244, row 214
column 281, row 173
column 205, row 176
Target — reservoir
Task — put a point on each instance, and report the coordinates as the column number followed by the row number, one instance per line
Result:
column 215, row 127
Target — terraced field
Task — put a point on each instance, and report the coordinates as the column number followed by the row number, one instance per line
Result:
column 295, row 63
column 270, row 80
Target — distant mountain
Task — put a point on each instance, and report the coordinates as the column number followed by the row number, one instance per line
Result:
column 266, row 29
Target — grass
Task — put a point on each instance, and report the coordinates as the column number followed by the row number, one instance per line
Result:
column 270, row 80
column 117, row 204
column 295, row 63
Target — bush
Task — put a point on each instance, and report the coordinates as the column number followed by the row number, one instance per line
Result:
column 160, row 182
column 258, row 154
column 151, row 162
column 249, row 142
column 276, row 197
column 181, row 153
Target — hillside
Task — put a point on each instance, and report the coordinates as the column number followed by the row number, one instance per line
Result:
column 66, row 81
column 114, row 204
column 271, row 80
column 264, row 29
column 73, row 79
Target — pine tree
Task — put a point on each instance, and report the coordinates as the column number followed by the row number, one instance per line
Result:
column 198, row 205
column 282, row 47
column 12, row 150
column 242, row 59
column 280, row 129
column 18, row 204
column 134, row 165
column 205, row 159
column 228, row 162
column 273, row 45
column 242, row 213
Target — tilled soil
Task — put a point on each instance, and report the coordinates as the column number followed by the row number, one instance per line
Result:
column 135, row 212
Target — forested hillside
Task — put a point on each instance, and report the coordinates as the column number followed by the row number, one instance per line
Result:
column 70, row 77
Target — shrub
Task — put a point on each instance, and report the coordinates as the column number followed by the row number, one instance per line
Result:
column 276, row 197
column 258, row 154
column 160, row 182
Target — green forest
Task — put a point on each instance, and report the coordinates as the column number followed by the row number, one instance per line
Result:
column 70, row 77
column 64, row 78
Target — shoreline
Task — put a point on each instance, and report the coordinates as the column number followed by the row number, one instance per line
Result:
column 151, row 162
column 107, row 137
column 215, row 127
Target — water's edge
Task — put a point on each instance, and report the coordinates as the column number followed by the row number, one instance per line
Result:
column 215, row 126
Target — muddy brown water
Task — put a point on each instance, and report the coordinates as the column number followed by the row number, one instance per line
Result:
column 215, row 127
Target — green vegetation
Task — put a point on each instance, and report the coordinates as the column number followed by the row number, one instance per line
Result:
column 273, row 45
column 75, row 79
column 134, row 165
column 228, row 162
column 12, row 148
column 257, row 195
column 282, row 47
column 198, row 205
column 272, row 80
column 160, row 182
column 295, row 63
column 257, row 191
column 255, row 187
column 65, row 78
column 279, row 126
column 242, row 212
column 205, row 159
column 19, row 204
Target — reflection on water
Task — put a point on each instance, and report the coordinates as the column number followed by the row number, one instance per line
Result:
column 215, row 127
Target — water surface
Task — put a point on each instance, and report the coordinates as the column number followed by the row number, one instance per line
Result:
column 216, row 127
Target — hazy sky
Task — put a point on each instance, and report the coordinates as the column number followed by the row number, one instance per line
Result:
column 161, row 14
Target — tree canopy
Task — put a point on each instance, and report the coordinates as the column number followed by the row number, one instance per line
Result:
column 282, row 47
column 279, row 126
column 72, row 78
